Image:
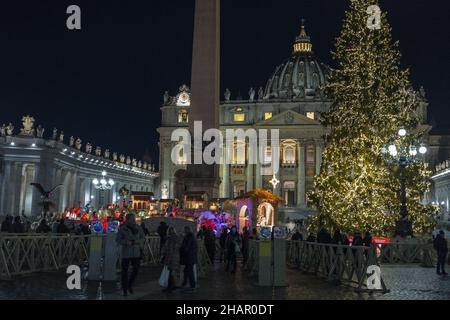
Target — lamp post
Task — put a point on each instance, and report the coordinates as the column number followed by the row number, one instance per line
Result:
column 403, row 153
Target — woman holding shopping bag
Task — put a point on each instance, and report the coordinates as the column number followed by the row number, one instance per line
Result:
column 171, row 258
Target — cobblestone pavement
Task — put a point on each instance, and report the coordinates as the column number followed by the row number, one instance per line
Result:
column 414, row 283
column 404, row 282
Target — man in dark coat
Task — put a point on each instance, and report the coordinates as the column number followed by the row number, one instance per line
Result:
column 210, row 244
column 188, row 257
column 43, row 227
column 367, row 241
column 323, row 236
column 17, row 226
column 440, row 245
column 297, row 236
column 311, row 238
column 6, row 224
column 62, row 228
column 223, row 244
column 162, row 232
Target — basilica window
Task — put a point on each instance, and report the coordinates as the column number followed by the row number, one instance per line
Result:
column 268, row 115
column 288, row 148
column 239, row 153
column 239, row 115
column 289, row 193
column 310, row 154
column 311, row 115
column 181, row 157
column 239, row 189
column 268, row 155
column 183, row 116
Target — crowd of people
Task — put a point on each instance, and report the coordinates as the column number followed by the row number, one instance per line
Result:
column 338, row 237
column 53, row 224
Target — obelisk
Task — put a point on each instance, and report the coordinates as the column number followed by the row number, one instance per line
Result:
column 205, row 91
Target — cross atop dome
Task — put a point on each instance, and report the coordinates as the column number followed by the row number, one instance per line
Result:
column 303, row 41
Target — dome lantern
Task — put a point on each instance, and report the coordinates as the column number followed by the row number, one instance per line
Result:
column 303, row 41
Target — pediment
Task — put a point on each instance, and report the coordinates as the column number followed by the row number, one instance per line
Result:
column 289, row 118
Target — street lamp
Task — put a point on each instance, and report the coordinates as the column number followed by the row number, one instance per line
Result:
column 403, row 153
column 102, row 183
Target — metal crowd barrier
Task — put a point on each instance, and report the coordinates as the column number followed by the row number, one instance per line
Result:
column 22, row 254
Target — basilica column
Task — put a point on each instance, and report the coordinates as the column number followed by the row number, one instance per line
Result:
column 258, row 176
column 249, row 173
column 319, row 151
column 5, row 188
column 301, row 176
column 16, row 188
column 166, row 166
column 226, row 173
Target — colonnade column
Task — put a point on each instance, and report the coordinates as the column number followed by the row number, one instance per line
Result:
column 301, row 175
column 319, row 151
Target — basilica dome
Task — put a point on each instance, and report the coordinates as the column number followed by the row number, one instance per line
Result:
column 300, row 76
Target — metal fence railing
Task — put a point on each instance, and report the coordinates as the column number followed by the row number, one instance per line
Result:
column 22, row 254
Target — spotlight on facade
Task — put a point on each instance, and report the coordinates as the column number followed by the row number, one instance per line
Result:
column 12, row 144
column 33, row 145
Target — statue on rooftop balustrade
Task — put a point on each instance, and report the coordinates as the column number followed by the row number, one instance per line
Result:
column 78, row 144
column 88, row 148
column 40, row 132
column 28, row 126
column 10, row 129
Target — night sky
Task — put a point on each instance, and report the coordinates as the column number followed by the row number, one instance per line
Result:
column 105, row 83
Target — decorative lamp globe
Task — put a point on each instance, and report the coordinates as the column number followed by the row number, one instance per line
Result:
column 423, row 150
column 402, row 132
column 95, row 181
column 392, row 150
column 413, row 151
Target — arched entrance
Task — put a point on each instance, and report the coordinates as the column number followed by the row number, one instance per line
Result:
column 243, row 218
column 266, row 215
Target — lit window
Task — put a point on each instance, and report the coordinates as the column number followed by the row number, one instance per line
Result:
column 311, row 115
column 268, row 155
column 182, row 157
column 183, row 116
column 239, row 117
column 289, row 152
column 268, row 115
column 239, row 153
column 239, row 189
column 310, row 154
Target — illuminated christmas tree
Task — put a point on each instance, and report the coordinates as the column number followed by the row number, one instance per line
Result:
column 372, row 98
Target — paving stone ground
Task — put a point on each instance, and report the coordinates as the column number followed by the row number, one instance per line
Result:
column 405, row 283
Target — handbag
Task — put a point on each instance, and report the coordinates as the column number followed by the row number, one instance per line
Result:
column 164, row 278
